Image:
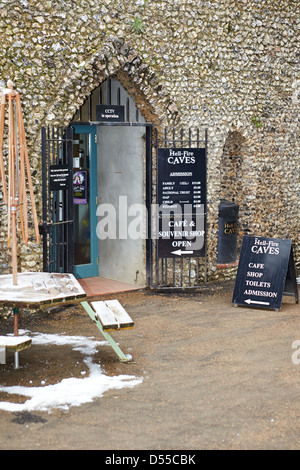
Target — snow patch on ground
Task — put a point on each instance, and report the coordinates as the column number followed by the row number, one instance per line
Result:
column 70, row 391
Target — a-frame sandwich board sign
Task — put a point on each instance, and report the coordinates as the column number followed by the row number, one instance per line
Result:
column 265, row 273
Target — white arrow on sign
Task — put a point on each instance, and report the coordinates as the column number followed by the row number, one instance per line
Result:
column 249, row 301
column 180, row 252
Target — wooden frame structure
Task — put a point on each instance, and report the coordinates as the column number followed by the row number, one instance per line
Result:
column 14, row 183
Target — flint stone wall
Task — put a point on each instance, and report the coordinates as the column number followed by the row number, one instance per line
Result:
column 229, row 66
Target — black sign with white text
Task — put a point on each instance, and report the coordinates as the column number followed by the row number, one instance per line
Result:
column 181, row 177
column 109, row 113
column 59, row 177
column 181, row 236
column 181, row 192
column 264, row 266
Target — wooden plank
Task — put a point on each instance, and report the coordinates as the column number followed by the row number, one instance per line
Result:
column 18, row 343
column 22, row 186
column 120, row 313
column 39, row 289
column 112, row 315
column 2, row 172
column 29, row 179
column 105, row 315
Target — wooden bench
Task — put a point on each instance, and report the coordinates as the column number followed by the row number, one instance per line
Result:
column 109, row 315
column 15, row 343
column 112, row 315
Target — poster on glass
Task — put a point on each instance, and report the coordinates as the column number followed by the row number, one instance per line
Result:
column 80, row 187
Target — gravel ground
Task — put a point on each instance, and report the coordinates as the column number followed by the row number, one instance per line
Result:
column 213, row 377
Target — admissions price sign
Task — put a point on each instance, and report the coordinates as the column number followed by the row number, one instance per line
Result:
column 181, row 197
column 181, row 178
column 266, row 271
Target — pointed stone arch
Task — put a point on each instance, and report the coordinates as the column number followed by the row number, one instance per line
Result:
column 114, row 59
column 231, row 168
column 234, row 178
column 136, row 84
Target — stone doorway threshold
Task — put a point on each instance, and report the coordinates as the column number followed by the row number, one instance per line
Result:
column 94, row 286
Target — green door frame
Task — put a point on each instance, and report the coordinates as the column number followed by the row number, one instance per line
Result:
column 91, row 269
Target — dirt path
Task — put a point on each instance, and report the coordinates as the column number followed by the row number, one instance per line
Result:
column 214, row 377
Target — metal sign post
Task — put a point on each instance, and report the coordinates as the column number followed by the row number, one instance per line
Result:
column 181, row 210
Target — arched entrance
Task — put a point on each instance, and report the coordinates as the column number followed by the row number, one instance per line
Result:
column 96, row 190
column 113, row 187
column 110, row 218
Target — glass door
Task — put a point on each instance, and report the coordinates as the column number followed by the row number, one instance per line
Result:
column 84, row 198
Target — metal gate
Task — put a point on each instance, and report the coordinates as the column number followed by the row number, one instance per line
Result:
column 180, row 271
column 178, row 268
column 57, row 193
